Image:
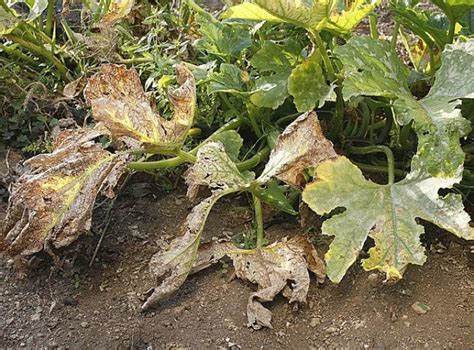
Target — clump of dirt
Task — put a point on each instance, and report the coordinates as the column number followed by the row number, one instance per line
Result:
column 99, row 306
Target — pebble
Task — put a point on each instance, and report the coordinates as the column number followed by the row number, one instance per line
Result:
column 331, row 330
column 315, row 322
column 10, row 321
column 84, row 324
column 420, row 308
column 35, row 317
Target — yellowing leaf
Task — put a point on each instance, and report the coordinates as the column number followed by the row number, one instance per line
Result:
column 343, row 22
column 387, row 213
column 119, row 102
column 51, row 203
column 300, row 146
column 118, row 9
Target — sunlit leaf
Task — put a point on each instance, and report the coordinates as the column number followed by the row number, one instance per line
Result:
column 372, row 69
column 454, row 9
column 117, row 10
column 119, row 102
column 386, row 213
column 300, row 146
column 354, row 12
column 272, row 88
column 51, row 203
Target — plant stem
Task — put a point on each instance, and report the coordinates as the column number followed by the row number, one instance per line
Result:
column 452, row 28
column 376, row 149
column 40, row 51
column 393, row 43
column 374, row 34
column 50, row 18
column 322, row 48
column 257, row 205
column 379, row 169
column 255, row 160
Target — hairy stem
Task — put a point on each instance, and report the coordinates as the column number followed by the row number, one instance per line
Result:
column 374, row 34
column 378, row 149
column 257, row 205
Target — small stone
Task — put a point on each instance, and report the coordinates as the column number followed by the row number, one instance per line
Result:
column 315, row 322
column 10, row 321
column 35, row 317
column 420, row 308
column 374, row 280
column 311, row 305
column 331, row 330
column 22, row 345
column 68, row 301
column 84, row 324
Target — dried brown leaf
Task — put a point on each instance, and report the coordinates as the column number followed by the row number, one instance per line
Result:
column 300, row 146
column 118, row 100
column 51, row 203
column 272, row 268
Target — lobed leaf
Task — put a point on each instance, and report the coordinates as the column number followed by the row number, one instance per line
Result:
column 51, row 203
column 372, row 69
column 119, row 102
column 386, row 213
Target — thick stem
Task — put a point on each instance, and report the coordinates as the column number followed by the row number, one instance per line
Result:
column 255, row 160
column 393, row 43
column 327, row 61
column 374, row 34
column 257, row 205
column 377, row 149
column 452, row 28
column 44, row 53
column 50, row 18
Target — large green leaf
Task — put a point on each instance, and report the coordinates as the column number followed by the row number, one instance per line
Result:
column 271, row 89
column 307, row 84
column 387, row 213
column 454, row 9
column 372, row 69
column 229, row 79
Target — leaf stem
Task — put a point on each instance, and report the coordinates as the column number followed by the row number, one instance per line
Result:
column 374, row 34
column 393, row 42
column 452, row 28
column 257, row 205
column 377, row 149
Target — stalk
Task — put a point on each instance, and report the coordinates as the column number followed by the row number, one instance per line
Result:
column 452, row 28
column 377, row 149
column 50, row 18
column 393, row 43
column 257, row 205
column 374, row 34
column 42, row 52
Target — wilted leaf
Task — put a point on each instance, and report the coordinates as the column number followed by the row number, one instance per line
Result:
column 371, row 68
column 272, row 89
column 300, row 146
column 307, row 84
column 119, row 102
column 117, row 10
column 171, row 267
column 215, row 169
column 280, row 267
column 52, row 202
column 387, row 213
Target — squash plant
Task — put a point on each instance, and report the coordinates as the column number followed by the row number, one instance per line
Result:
column 343, row 100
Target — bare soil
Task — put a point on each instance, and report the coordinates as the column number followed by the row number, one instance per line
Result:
column 99, row 306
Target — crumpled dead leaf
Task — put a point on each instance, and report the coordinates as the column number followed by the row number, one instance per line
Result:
column 52, row 201
column 118, row 101
column 280, row 267
column 300, row 146
column 171, row 267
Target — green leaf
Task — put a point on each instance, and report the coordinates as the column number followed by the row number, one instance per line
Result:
column 372, row 69
column 454, row 9
column 229, row 79
column 8, row 21
column 271, row 90
column 387, row 213
column 232, row 142
column 307, row 84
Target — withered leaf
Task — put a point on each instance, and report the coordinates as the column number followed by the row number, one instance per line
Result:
column 300, row 146
column 52, row 201
column 118, row 101
column 280, row 267
column 171, row 267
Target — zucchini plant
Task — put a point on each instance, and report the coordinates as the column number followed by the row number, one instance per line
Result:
column 304, row 105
